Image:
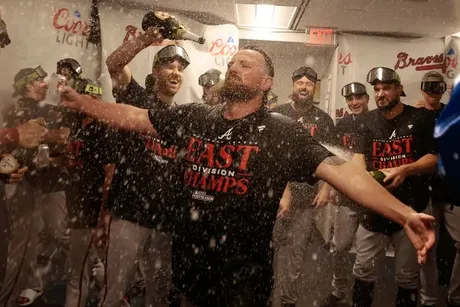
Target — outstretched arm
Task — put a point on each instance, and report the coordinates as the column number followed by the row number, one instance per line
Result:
column 355, row 183
column 120, row 116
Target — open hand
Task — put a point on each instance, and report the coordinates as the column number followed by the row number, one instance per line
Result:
column 419, row 229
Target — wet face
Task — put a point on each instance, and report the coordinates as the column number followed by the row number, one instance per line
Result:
column 247, row 77
column 66, row 72
column 431, row 98
column 303, row 90
column 358, row 103
column 37, row 89
column 387, row 95
column 169, row 77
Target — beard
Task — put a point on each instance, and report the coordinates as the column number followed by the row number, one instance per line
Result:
column 302, row 101
column 235, row 92
column 389, row 106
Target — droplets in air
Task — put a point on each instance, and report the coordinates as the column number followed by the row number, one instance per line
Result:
column 314, row 257
column 194, row 215
column 455, row 156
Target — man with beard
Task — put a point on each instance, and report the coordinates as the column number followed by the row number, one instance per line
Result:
column 397, row 139
column 236, row 160
column 137, row 232
column 442, row 205
column 298, row 222
column 346, row 216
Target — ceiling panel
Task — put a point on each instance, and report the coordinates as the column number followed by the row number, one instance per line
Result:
column 431, row 17
column 418, row 17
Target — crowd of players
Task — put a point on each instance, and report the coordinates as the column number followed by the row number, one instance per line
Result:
column 179, row 201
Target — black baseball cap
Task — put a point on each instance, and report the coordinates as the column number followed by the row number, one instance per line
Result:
column 304, row 72
column 384, row 75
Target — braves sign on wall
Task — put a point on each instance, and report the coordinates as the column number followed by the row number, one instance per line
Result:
column 42, row 33
column 410, row 58
column 119, row 26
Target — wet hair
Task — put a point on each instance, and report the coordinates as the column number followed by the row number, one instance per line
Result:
column 268, row 60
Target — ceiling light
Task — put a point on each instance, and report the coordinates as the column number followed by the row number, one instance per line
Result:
column 456, row 34
column 264, row 16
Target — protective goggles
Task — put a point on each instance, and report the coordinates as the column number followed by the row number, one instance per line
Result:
column 353, row 89
column 382, row 74
column 208, row 80
column 71, row 64
column 38, row 73
column 304, row 72
column 172, row 52
column 86, row 88
column 434, row 87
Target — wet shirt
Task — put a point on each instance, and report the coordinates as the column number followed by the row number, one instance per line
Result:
column 232, row 176
column 346, row 131
column 321, row 127
column 90, row 148
column 315, row 120
column 49, row 179
column 392, row 143
column 142, row 176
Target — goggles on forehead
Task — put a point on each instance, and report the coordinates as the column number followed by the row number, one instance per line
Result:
column 71, row 64
column 38, row 73
column 208, row 80
column 172, row 52
column 304, row 72
column 434, row 87
column 84, row 87
column 354, row 88
column 382, row 74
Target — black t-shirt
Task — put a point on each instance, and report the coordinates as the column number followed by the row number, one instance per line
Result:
column 142, row 176
column 318, row 122
column 346, row 130
column 321, row 128
column 49, row 179
column 440, row 192
column 232, row 176
column 392, row 143
column 90, row 148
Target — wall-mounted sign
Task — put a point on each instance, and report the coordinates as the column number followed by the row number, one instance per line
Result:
column 321, row 36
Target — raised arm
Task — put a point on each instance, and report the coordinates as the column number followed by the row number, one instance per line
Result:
column 120, row 116
column 117, row 62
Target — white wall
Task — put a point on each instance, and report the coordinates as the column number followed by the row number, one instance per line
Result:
column 289, row 56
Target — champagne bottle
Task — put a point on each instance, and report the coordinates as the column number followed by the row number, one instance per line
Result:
column 379, row 176
column 169, row 27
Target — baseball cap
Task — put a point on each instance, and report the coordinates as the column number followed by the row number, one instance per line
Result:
column 25, row 76
column 304, row 72
column 209, row 78
column 384, row 75
column 354, row 88
column 171, row 52
column 433, row 83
